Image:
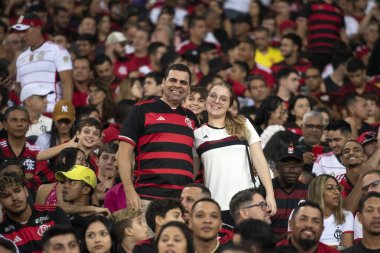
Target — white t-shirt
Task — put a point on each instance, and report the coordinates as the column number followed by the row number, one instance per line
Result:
column 332, row 234
column 41, row 66
column 224, row 157
column 43, row 125
column 358, row 229
column 327, row 163
column 43, row 141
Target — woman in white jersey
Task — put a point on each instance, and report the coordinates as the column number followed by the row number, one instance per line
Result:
column 222, row 147
column 339, row 224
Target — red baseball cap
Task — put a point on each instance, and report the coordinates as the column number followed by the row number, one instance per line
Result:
column 27, row 21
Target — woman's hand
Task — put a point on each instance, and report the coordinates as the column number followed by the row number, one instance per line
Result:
column 272, row 205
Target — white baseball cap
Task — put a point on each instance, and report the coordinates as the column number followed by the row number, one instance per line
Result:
column 35, row 89
column 115, row 37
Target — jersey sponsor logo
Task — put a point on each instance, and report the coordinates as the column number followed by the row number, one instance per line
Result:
column 160, row 118
column 42, row 229
column 29, row 164
column 17, row 239
column 42, row 219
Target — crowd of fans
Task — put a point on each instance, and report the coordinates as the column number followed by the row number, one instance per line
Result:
column 189, row 126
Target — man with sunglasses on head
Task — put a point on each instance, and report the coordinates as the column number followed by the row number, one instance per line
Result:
column 370, row 183
column 288, row 190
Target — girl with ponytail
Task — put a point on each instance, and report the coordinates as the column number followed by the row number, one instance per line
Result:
column 225, row 145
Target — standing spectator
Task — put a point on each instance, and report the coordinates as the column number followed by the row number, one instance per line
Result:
column 24, row 223
column 103, row 71
column 197, row 34
column 314, row 85
column 291, row 46
column 148, row 130
column 299, row 105
column 241, row 27
column 223, row 135
column 266, row 55
column 35, row 102
column 258, row 91
column 16, row 146
column 368, row 215
column 152, row 85
column 60, row 237
column 288, row 83
column 99, row 96
column 288, row 190
column 34, row 66
column 82, row 75
column 86, row 44
column 336, row 80
column 190, row 194
column 338, row 133
column 140, row 56
column 323, row 24
column 307, row 227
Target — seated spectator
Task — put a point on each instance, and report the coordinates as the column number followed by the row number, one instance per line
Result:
column 86, row 44
column 367, row 216
column 338, row 223
column 98, row 232
column 130, row 229
column 373, row 107
column 159, row 213
column 206, row 211
column 16, row 146
column 179, row 233
column 238, row 77
column 338, row 133
column 307, row 227
column 152, row 85
column 256, row 235
column 82, row 74
column 103, row 71
column 369, row 142
column 287, row 84
column 357, row 114
column 35, row 102
column 299, row 105
column 62, row 129
column 24, row 223
column 99, row 96
column 288, row 190
column 249, row 204
column 60, row 238
column 266, row 55
column 197, row 33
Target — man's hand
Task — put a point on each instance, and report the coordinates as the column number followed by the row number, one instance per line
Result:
column 308, row 158
column 133, row 199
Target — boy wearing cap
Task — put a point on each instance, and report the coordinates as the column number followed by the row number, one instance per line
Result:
column 78, row 185
column 288, row 190
column 34, row 99
column 43, row 61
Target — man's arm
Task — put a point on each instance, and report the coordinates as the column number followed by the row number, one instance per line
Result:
column 66, row 77
column 124, row 163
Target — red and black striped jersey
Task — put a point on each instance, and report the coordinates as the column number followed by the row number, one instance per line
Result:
column 27, row 237
column 42, row 174
column 163, row 139
column 325, row 22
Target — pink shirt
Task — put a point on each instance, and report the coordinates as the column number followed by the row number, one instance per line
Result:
column 114, row 199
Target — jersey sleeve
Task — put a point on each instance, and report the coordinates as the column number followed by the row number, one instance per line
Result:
column 348, row 225
column 60, row 217
column 254, row 137
column 132, row 126
column 62, row 59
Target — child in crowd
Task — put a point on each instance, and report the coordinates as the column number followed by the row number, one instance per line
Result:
column 196, row 102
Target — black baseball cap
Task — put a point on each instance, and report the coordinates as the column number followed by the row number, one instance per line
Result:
column 289, row 152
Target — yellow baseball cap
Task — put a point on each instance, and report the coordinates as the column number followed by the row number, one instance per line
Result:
column 80, row 173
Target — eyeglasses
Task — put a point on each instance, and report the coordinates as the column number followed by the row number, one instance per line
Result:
column 264, row 206
column 312, row 126
column 222, row 99
column 372, row 185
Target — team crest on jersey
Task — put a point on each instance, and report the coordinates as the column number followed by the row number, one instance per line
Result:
column 29, row 164
column 9, row 228
column 42, row 229
column 188, row 122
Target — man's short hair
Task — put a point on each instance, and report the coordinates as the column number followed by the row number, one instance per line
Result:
column 7, row 181
column 285, row 72
column 199, row 90
column 350, row 99
column 157, row 76
column 87, row 37
column 364, row 199
column 57, row 9
column 241, row 197
column 311, row 114
column 56, row 230
column 296, row 39
column 15, row 108
column 160, row 207
column 250, row 42
column 192, row 20
column 101, row 59
column 304, row 204
column 355, row 64
column 256, row 233
column 154, row 46
column 122, row 219
column 179, row 67
column 204, row 189
column 83, row 59
column 210, row 200
column 109, row 147
column 341, row 125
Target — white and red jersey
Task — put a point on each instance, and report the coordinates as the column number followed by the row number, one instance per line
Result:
column 328, row 163
column 41, row 66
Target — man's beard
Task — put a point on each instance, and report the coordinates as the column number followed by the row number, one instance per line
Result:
column 307, row 244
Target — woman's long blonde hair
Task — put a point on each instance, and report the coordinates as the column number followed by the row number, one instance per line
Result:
column 315, row 194
column 235, row 126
